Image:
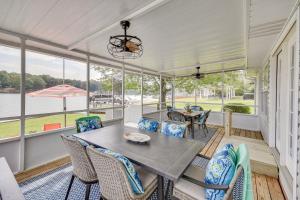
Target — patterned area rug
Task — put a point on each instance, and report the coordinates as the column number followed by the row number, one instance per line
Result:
column 199, row 134
column 53, row 185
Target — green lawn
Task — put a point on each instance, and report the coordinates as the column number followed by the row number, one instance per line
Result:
column 34, row 125
column 181, row 102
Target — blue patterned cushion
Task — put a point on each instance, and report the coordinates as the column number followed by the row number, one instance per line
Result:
column 173, row 129
column 148, row 125
column 132, row 175
column 231, row 152
column 219, row 171
column 88, row 123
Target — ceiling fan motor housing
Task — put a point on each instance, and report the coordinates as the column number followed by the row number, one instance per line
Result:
column 125, row 24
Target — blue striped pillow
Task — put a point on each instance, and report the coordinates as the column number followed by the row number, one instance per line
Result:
column 132, row 175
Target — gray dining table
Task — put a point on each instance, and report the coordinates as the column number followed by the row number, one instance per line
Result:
column 190, row 116
column 166, row 156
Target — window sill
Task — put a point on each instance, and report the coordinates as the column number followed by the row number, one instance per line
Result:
column 12, row 139
column 64, row 129
column 48, row 132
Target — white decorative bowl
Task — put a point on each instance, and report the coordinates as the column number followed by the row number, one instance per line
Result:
column 137, row 137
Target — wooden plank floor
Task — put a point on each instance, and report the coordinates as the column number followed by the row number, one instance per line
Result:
column 264, row 187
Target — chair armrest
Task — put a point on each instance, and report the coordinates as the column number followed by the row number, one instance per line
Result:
column 205, row 185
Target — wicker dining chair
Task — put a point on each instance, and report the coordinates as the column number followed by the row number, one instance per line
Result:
column 114, row 181
column 192, row 186
column 82, row 166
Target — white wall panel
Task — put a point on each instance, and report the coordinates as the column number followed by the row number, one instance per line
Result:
column 244, row 121
column 215, row 118
column 44, row 148
column 10, row 150
column 47, row 147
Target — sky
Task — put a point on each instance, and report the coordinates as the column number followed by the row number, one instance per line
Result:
column 40, row 64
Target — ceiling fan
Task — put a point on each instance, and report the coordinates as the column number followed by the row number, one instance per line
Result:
column 196, row 75
column 125, row 46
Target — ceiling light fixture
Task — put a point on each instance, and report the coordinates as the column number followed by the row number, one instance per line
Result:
column 125, row 46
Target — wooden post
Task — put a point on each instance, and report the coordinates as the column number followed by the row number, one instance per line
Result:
column 228, row 122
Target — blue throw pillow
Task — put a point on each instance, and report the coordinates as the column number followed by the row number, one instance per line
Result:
column 89, row 123
column 230, row 149
column 132, row 175
column 219, row 171
column 148, row 125
column 173, row 129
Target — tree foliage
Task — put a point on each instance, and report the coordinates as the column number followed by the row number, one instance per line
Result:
column 36, row 82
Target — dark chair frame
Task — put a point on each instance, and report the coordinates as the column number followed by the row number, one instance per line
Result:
column 87, row 183
column 203, row 125
column 229, row 189
column 176, row 116
column 87, row 187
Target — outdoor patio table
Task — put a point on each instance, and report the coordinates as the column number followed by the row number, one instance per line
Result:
column 165, row 156
column 191, row 116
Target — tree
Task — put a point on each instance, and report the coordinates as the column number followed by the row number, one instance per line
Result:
column 4, row 79
column 38, row 83
column 15, row 81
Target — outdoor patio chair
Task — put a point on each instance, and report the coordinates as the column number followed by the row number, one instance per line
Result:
column 82, row 166
column 196, row 108
column 192, row 186
column 84, row 124
column 113, row 177
column 202, row 122
column 170, row 108
column 179, row 117
column 176, row 116
column 148, row 124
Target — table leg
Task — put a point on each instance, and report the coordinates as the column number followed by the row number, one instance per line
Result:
column 160, row 188
column 192, row 128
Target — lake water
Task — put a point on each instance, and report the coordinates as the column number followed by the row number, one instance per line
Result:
column 10, row 104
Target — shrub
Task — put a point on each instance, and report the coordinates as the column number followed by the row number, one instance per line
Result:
column 237, row 108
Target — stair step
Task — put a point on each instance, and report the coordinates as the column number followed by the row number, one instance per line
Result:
column 261, row 157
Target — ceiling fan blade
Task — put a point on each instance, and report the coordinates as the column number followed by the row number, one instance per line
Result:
column 132, row 46
column 184, row 76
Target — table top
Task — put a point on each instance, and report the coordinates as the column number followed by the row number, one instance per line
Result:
column 192, row 114
column 9, row 187
column 164, row 155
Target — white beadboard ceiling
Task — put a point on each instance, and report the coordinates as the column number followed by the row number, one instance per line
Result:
column 175, row 33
